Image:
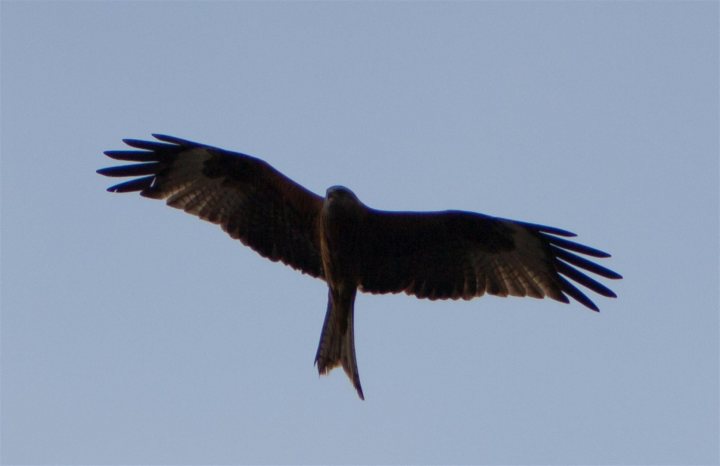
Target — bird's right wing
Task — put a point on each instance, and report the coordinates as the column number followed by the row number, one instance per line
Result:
column 454, row 254
column 249, row 199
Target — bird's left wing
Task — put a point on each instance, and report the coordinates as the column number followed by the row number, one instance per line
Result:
column 455, row 254
column 248, row 198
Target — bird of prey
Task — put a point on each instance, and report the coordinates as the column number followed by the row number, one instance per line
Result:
column 436, row 255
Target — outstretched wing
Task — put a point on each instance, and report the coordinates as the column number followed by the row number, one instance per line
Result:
column 247, row 197
column 454, row 254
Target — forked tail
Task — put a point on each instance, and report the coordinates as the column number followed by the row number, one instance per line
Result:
column 337, row 341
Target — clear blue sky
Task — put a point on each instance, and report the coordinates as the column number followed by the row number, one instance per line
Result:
column 134, row 333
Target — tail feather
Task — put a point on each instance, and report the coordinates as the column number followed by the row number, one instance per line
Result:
column 337, row 341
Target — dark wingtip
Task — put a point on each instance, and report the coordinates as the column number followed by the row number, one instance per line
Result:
column 558, row 231
column 175, row 140
column 133, row 142
column 163, row 137
column 591, row 305
column 576, row 294
column 138, row 184
column 118, row 153
column 547, row 229
column 577, row 247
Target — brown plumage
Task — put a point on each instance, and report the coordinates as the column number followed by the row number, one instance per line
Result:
column 435, row 255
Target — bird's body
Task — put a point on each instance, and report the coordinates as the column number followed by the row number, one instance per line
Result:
column 342, row 217
column 435, row 255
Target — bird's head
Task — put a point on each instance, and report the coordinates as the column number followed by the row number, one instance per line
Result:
column 339, row 193
column 340, row 198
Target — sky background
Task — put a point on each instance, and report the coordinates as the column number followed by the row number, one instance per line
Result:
column 134, row 333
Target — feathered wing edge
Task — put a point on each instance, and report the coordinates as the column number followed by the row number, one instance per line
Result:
column 569, row 264
column 155, row 157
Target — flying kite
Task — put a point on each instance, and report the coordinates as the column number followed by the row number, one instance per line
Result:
column 436, row 255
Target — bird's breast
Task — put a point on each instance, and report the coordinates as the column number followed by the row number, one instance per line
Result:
column 341, row 246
